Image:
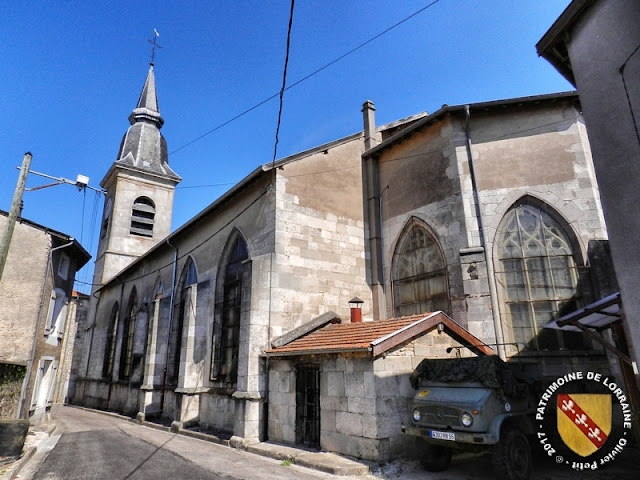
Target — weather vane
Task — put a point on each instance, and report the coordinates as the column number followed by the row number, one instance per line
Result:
column 155, row 45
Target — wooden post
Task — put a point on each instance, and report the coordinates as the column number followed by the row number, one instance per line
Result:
column 15, row 210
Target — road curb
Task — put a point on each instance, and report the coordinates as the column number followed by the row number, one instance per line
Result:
column 15, row 468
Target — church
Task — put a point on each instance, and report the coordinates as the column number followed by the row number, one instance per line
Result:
column 294, row 307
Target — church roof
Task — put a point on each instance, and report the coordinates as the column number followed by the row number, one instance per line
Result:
column 375, row 338
column 143, row 147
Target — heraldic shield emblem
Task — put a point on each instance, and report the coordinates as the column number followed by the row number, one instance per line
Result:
column 584, row 421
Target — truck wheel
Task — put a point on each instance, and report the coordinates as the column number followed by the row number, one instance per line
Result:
column 512, row 456
column 434, row 458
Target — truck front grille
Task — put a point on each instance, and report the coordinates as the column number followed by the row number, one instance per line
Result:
column 441, row 416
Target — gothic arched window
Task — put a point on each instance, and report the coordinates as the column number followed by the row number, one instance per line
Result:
column 142, row 216
column 110, row 347
column 234, row 292
column 537, row 269
column 419, row 273
column 189, row 277
column 128, row 336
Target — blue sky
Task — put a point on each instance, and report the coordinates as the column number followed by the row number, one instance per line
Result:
column 72, row 72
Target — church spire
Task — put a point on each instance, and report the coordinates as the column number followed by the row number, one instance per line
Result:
column 147, row 108
column 143, row 146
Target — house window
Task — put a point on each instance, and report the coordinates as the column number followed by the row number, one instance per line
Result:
column 110, row 347
column 189, row 277
column 538, row 272
column 234, row 294
column 142, row 215
column 128, row 337
column 419, row 273
column 57, row 313
column 63, row 266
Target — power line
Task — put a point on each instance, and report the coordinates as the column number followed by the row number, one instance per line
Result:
column 298, row 82
column 284, row 81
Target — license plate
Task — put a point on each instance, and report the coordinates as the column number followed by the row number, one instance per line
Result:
column 443, row 435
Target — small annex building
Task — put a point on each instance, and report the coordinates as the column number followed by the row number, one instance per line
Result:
column 348, row 383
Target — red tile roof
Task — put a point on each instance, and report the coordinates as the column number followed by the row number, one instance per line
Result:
column 373, row 337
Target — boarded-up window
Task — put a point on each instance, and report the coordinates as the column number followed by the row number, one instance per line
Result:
column 142, row 216
column 419, row 274
column 539, row 277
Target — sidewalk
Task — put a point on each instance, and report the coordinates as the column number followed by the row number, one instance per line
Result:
column 322, row 461
column 36, row 437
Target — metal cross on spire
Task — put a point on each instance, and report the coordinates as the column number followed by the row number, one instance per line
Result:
column 155, row 45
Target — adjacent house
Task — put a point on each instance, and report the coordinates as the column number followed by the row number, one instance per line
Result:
column 36, row 292
column 594, row 45
column 473, row 226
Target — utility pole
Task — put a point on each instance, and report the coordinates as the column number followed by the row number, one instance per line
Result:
column 15, row 210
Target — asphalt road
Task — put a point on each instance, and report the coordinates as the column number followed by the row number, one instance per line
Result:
column 95, row 446
column 89, row 445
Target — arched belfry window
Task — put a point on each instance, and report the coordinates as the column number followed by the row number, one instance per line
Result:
column 419, row 273
column 233, row 293
column 110, row 347
column 128, row 336
column 142, row 216
column 537, row 268
column 188, row 278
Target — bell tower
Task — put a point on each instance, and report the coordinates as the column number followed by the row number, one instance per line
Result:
column 139, row 190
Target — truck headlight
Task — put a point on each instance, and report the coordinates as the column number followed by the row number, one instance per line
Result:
column 416, row 415
column 467, row 419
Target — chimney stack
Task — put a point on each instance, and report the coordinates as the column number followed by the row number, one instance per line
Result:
column 369, row 119
column 356, row 309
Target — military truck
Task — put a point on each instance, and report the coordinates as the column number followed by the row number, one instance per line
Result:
column 476, row 403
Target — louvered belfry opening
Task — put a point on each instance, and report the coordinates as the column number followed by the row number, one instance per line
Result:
column 142, row 216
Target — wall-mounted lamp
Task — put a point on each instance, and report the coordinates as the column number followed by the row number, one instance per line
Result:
column 440, row 328
column 356, row 309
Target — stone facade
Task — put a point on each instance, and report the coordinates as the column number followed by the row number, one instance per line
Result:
column 181, row 331
column 534, row 152
column 363, row 400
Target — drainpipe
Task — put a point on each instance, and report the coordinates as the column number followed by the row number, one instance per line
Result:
column 373, row 213
column 166, row 356
column 495, row 308
column 25, row 383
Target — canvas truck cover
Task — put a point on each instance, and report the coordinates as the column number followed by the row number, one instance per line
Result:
column 488, row 371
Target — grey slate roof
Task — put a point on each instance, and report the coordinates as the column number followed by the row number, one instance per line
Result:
column 143, row 146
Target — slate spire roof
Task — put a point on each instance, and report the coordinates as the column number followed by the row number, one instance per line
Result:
column 143, row 147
